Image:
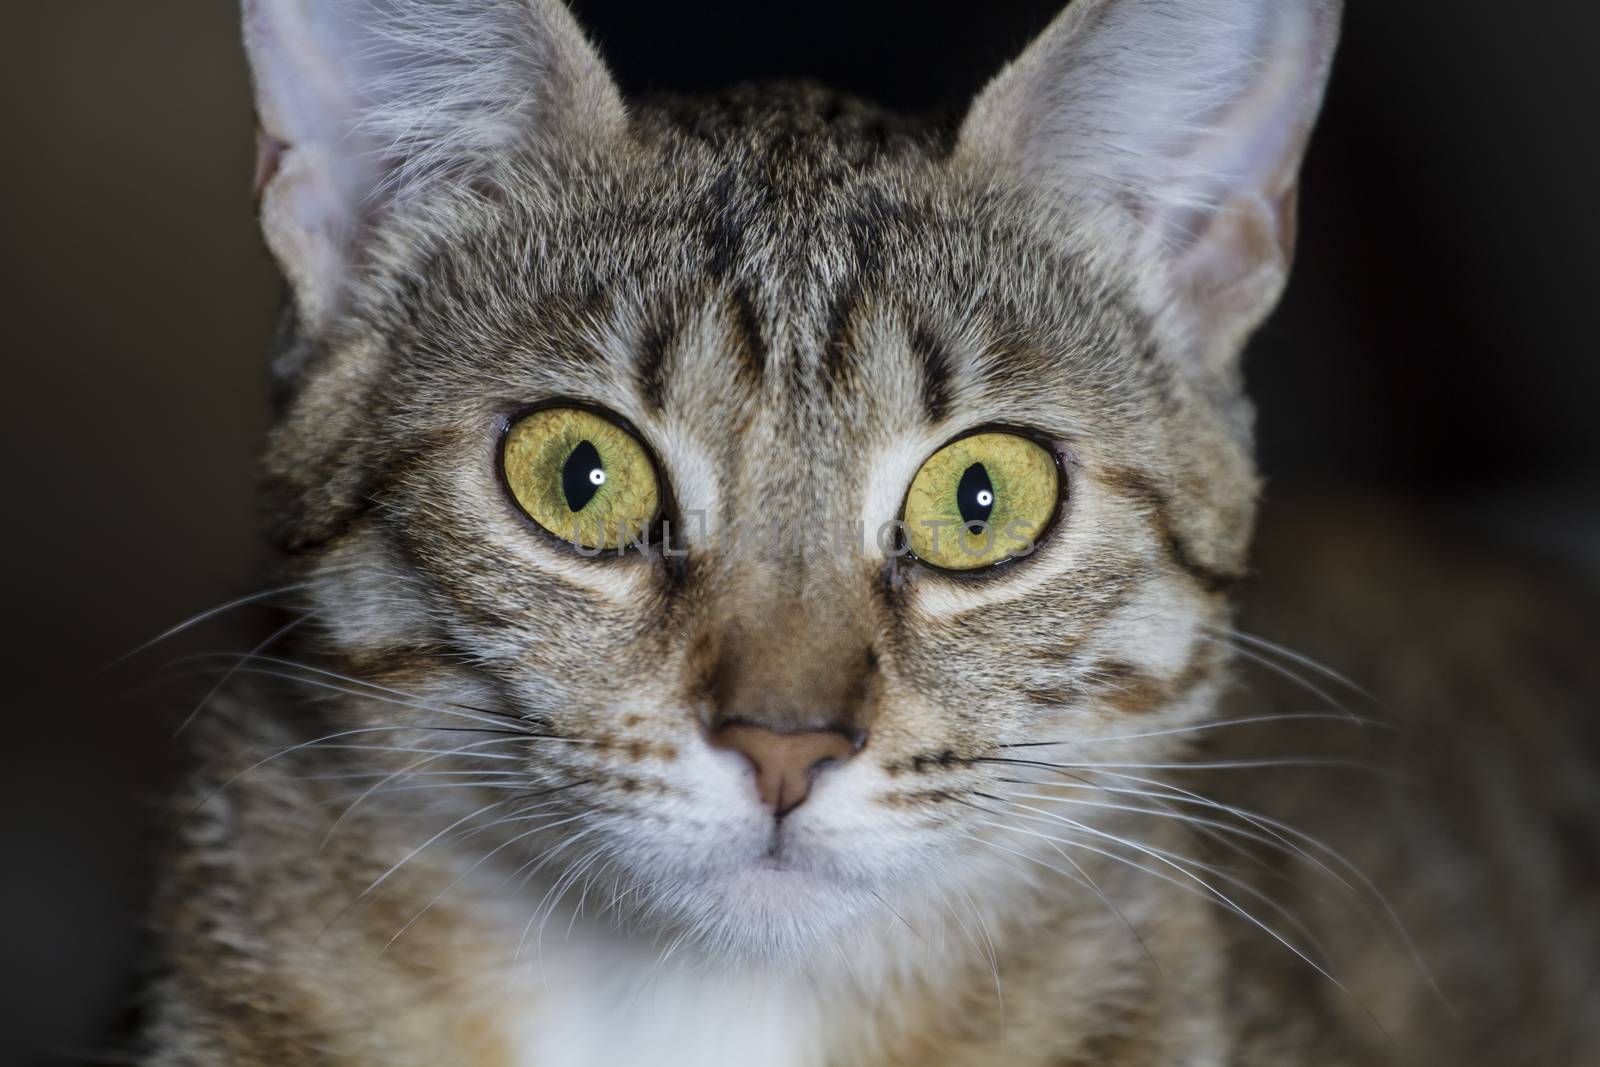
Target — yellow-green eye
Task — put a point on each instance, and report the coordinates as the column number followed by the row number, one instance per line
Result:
column 980, row 500
column 581, row 476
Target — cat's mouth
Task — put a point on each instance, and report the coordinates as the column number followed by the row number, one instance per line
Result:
column 776, row 857
column 788, row 855
column 786, row 873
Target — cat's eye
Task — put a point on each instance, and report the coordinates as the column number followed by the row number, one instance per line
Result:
column 581, row 476
column 981, row 500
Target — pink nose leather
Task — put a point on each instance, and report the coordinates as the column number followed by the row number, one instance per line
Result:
column 785, row 763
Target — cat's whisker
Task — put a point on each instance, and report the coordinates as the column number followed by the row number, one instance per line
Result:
column 1283, row 672
column 321, row 742
column 1164, row 801
column 417, row 774
column 533, row 813
column 1213, row 829
column 427, row 786
column 1211, row 765
column 1039, row 814
column 576, row 874
column 409, row 770
column 205, row 616
column 414, row 749
column 461, row 878
column 372, row 887
column 222, row 682
column 526, row 812
column 993, row 953
column 890, row 908
column 380, row 694
column 1295, row 657
column 1196, row 822
column 662, row 959
column 1212, row 724
column 584, row 883
column 1274, row 827
column 1163, row 807
column 1210, row 891
column 533, row 867
column 1081, row 877
column 399, row 775
column 985, row 947
column 367, row 684
column 1080, row 781
column 837, row 951
column 328, row 695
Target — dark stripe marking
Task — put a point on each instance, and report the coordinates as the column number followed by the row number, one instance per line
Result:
column 749, row 346
column 1133, row 485
column 1134, row 691
column 934, row 359
column 724, row 228
column 651, row 368
column 838, row 347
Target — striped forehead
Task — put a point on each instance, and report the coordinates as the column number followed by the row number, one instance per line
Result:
column 834, row 303
column 767, row 348
column 854, row 359
column 759, row 413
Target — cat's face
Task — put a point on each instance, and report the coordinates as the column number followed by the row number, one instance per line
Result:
column 790, row 306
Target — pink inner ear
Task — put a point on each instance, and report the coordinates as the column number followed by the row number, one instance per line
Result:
column 269, row 153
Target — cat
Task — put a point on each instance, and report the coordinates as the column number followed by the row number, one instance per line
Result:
column 630, row 708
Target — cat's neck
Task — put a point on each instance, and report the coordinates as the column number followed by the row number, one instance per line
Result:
column 593, row 998
column 956, row 978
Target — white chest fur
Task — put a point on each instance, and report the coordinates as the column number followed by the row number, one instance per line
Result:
column 592, row 1002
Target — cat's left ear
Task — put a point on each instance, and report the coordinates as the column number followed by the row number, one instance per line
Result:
column 1167, row 136
column 362, row 104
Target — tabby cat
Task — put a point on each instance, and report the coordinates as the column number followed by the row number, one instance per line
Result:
column 762, row 575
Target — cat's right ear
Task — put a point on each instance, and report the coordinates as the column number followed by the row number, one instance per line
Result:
column 361, row 104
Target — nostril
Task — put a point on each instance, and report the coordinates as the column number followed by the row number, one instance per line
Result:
column 785, row 763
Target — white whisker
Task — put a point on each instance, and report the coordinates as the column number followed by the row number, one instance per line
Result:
column 1295, row 657
column 268, row 642
column 1213, row 724
column 209, row 613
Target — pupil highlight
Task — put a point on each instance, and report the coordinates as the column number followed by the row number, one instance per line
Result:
column 582, row 475
column 975, row 497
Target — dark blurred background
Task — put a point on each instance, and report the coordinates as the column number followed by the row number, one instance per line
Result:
column 1437, row 348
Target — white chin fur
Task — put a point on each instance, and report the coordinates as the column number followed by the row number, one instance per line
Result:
column 767, row 915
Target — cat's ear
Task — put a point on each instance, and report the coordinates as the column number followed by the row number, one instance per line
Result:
column 1168, row 135
column 360, row 103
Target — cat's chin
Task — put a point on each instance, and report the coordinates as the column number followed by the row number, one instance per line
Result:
column 722, row 877
column 770, row 912
column 775, row 914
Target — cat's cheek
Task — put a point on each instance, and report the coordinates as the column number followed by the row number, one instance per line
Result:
column 356, row 598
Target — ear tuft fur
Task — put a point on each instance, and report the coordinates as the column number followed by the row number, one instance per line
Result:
column 1169, row 134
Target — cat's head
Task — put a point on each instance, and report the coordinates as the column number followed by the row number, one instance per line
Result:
column 774, row 343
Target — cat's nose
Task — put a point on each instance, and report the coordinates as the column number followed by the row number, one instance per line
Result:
column 786, row 764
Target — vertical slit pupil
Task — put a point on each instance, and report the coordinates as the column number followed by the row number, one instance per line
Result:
column 582, row 475
column 975, row 497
